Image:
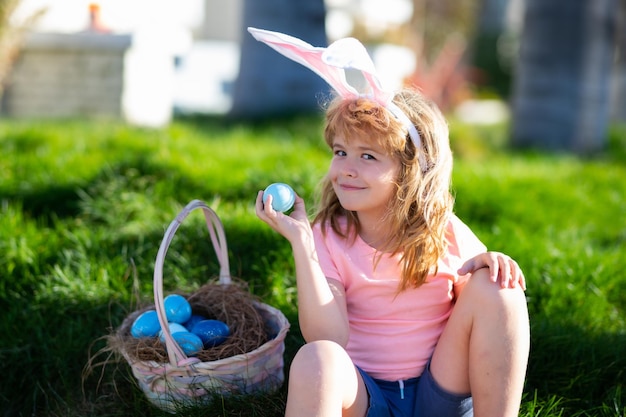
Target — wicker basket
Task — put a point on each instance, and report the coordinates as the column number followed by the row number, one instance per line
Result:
column 185, row 381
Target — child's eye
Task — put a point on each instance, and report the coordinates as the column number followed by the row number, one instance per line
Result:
column 368, row 157
column 339, row 152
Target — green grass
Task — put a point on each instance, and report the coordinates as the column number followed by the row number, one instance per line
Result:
column 84, row 205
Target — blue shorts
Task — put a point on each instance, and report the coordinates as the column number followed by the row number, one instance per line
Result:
column 419, row 397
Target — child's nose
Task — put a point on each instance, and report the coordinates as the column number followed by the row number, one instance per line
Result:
column 349, row 169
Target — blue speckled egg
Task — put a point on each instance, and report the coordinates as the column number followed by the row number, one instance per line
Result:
column 177, row 308
column 146, row 324
column 195, row 318
column 211, row 332
column 174, row 328
column 190, row 343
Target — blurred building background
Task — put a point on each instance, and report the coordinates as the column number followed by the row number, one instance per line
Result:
column 157, row 55
column 146, row 60
column 140, row 60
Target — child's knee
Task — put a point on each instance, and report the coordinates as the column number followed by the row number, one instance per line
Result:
column 484, row 293
column 316, row 362
column 317, row 357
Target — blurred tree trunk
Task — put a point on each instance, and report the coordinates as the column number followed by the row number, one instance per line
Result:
column 619, row 77
column 561, row 95
column 487, row 52
column 9, row 40
column 11, row 35
column 269, row 84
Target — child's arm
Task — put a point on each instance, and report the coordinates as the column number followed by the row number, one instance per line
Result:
column 322, row 310
column 500, row 265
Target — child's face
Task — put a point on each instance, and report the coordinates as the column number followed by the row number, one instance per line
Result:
column 363, row 175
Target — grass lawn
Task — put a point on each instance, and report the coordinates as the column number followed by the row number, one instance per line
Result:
column 84, row 205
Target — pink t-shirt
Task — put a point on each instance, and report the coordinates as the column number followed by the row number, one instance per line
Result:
column 392, row 336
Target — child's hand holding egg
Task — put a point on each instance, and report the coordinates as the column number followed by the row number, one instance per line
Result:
column 283, row 196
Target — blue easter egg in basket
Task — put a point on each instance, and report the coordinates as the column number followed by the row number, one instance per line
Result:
column 190, row 343
column 146, row 324
column 177, row 308
column 174, row 328
column 195, row 318
column 211, row 332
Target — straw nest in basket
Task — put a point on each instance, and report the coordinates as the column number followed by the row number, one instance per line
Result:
column 229, row 303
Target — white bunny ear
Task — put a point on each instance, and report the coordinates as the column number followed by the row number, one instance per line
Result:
column 349, row 53
column 307, row 55
column 330, row 64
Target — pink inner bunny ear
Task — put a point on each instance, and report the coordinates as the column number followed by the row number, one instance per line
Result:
column 308, row 56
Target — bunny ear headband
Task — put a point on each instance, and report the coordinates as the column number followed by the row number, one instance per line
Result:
column 330, row 63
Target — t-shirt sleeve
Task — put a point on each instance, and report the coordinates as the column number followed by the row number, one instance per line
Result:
column 468, row 244
column 329, row 268
column 463, row 244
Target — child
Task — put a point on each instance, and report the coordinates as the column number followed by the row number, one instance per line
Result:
column 394, row 324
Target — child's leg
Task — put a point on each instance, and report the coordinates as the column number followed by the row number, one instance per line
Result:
column 324, row 382
column 484, row 347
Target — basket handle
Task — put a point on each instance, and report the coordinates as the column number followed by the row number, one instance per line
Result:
column 216, row 230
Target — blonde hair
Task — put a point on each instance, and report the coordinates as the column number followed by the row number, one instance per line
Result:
column 417, row 218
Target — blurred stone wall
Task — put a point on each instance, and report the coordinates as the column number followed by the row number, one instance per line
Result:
column 68, row 75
